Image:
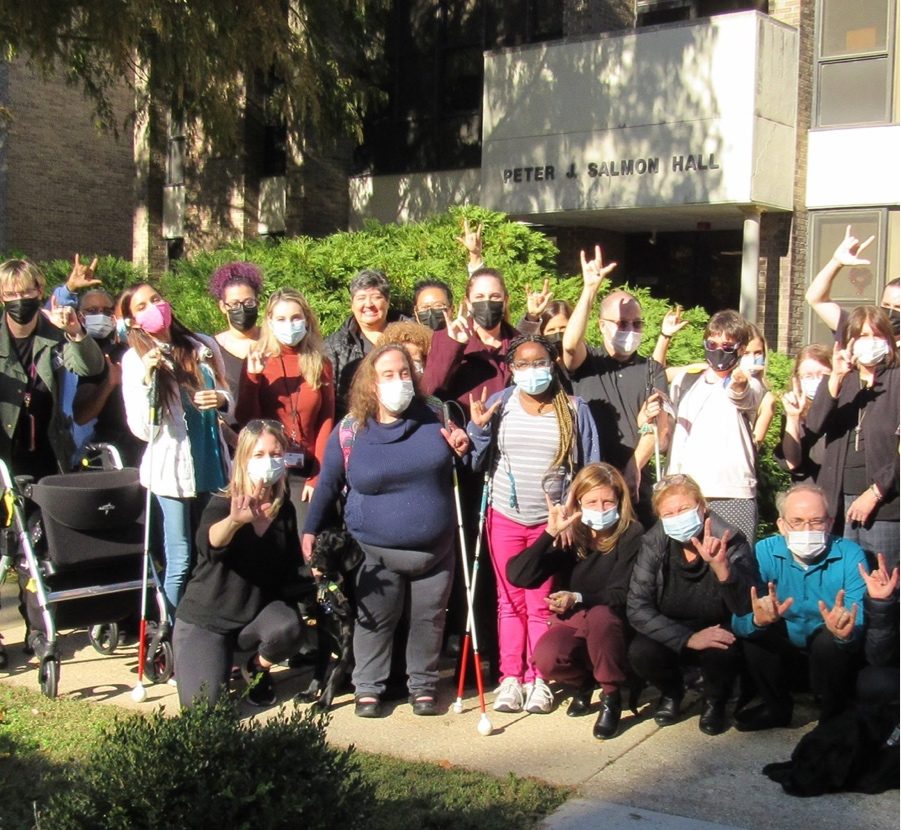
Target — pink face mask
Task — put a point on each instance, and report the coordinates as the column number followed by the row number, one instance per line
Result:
column 155, row 317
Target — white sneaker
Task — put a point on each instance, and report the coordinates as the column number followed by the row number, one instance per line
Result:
column 508, row 696
column 540, row 699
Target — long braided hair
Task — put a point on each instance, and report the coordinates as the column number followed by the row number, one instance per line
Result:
column 566, row 421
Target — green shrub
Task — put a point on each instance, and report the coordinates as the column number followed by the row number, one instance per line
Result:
column 205, row 768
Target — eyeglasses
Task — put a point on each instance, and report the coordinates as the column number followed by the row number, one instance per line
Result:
column 522, row 365
column 712, row 345
column 432, row 307
column 625, row 325
column 671, row 481
column 808, row 524
column 24, row 294
column 257, row 425
column 247, row 305
column 97, row 309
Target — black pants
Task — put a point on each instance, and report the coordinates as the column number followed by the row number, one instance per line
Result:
column 662, row 667
column 203, row 658
column 773, row 661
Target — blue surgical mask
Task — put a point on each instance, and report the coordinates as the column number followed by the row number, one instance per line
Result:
column 600, row 519
column 533, row 381
column 289, row 332
column 683, row 526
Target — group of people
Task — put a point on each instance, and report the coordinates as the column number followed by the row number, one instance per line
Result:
column 610, row 572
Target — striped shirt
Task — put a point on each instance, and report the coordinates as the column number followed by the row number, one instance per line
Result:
column 526, row 447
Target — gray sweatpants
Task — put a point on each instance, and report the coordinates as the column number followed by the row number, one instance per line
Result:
column 203, row 658
column 383, row 581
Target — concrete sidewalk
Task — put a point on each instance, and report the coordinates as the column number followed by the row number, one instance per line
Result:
column 674, row 779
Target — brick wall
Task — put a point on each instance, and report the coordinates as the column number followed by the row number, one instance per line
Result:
column 67, row 186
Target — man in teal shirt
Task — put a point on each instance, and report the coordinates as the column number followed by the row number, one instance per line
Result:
column 811, row 612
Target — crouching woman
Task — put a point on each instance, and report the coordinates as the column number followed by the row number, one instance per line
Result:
column 248, row 553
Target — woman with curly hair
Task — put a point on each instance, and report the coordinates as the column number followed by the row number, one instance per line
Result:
column 530, row 439
column 288, row 378
column 415, row 338
column 188, row 454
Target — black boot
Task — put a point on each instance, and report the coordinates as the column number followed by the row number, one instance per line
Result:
column 668, row 708
column 607, row 724
column 713, row 717
column 581, row 701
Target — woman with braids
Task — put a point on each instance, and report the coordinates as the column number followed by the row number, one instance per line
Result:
column 288, row 378
column 531, row 439
column 188, row 454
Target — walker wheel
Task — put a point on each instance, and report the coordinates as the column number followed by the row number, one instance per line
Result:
column 159, row 664
column 48, row 675
column 104, row 638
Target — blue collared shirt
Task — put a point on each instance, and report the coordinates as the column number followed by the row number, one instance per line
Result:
column 837, row 568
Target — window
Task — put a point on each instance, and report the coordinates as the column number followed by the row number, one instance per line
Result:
column 175, row 156
column 854, row 62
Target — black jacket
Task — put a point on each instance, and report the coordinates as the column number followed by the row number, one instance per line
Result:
column 881, row 643
column 649, row 577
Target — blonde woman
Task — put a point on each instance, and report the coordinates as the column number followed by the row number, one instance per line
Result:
column 585, row 645
column 248, row 552
column 289, row 379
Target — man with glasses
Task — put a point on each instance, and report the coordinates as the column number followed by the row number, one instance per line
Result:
column 624, row 391
column 713, row 439
column 809, row 615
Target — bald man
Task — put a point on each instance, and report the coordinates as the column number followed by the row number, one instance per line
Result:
column 624, row 391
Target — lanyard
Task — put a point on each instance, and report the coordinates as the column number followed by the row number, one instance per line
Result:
column 297, row 432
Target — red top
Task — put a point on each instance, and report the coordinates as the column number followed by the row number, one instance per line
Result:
column 280, row 392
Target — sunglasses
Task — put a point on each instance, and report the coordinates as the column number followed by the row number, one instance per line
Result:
column 729, row 348
column 257, row 425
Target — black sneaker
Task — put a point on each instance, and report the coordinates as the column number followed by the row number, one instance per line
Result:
column 260, row 689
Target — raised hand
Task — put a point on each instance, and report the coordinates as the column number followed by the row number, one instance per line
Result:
column 82, row 276
column 850, row 248
column 251, row 508
column 64, row 318
column 768, row 609
column 673, row 322
column 461, row 327
column 839, row 620
column 713, row 550
column 537, row 301
column 456, row 438
column 650, row 409
column 713, row 637
column 471, row 239
column 478, row 413
column 842, row 359
column 560, row 517
column 880, row 584
column 793, row 400
column 739, row 381
column 594, row 272
column 255, row 362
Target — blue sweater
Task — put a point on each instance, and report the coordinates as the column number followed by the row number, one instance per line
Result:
column 836, row 568
column 398, row 479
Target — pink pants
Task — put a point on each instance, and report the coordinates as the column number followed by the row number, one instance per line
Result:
column 522, row 614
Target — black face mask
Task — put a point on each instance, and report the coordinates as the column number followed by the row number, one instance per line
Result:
column 894, row 317
column 720, row 359
column 243, row 319
column 431, row 317
column 556, row 338
column 23, row 311
column 487, row 313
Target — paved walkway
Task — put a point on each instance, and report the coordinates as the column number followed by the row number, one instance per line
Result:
column 672, row 779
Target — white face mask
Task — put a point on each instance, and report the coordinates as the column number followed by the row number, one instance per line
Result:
column 809, row 386
column 99, row 326
column 870, row 350
column 626, row 342
column 395, row 395
column 600, row 519
column 266, row 469
column 289, row 332
column 807, row 545
column 752, row 363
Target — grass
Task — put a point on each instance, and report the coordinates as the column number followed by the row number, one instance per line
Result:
column 40, row 739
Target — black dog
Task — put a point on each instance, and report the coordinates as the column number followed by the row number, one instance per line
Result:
column 335, row 555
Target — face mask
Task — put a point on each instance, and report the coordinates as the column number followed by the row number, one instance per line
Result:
column 243, row 319
column 720, row 359
column 809, row 387
column 395, row 395
column 122, row 328
column 431, row 317
column 870, row 351
column 626, row 342
column 487, row 313
column 754, row 364
column 24, row 310
column 289, row 332
column 600, row 519
column 683, row 526
column 533, row 381
column 556, row 338
column 99, row 326
column 807, row 545
column 266, row 469
column 155, row 318
column 894, row 317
